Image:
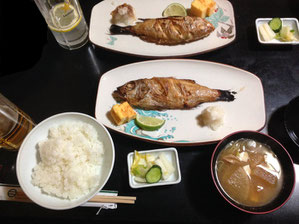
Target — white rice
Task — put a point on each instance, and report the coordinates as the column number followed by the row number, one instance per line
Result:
column 71, row 159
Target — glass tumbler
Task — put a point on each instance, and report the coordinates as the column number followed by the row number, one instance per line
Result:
column 66, row 21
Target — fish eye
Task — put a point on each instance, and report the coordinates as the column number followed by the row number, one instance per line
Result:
column 130, row 85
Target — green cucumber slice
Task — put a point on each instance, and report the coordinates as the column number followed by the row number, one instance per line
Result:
column 275, row 24
column 154, row 174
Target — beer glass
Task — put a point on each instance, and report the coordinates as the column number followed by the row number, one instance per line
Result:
column 14, row 125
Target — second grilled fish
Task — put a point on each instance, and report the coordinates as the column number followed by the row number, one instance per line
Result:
column 169, row 30
column 168, row 93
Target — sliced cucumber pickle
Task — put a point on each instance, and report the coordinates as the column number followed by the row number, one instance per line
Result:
column 275, row 24
column 154, row 174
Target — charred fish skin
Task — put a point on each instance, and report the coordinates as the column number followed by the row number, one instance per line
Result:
column 115, row 29
column 226, row 95
column 168, row 93
column 169, row 30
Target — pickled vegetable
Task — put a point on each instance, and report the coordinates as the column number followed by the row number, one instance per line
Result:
column 275, row 24
column 154, row 174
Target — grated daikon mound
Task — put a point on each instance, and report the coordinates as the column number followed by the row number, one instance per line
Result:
column 70, row 163
column 123, row 15
column 213, row 117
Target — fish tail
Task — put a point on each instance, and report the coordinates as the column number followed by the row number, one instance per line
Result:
column 115, row 29
column 226, row 95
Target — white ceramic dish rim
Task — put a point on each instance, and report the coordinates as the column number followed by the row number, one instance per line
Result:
column 259, row 20
column 76, row 202
column 161, row 183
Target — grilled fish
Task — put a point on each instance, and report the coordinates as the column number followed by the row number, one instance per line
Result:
column 168, row 93
column 169, row 30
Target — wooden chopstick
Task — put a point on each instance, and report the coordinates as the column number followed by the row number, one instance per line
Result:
column 21, row 196
column 96, row 198
column 113, row 199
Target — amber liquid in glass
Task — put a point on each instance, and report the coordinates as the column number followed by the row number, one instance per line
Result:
column 13, row 136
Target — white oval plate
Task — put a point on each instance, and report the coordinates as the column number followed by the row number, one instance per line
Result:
column 246, row 112
column 99, row 34
column 291, row 22
column 172, row 156
column 28, row 158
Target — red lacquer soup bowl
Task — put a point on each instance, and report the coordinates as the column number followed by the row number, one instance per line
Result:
column 286, row 173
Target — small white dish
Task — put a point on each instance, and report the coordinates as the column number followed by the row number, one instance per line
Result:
column 28, row 157
column 291, row 22
column 171, row 154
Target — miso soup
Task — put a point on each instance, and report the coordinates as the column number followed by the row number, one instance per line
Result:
column 249, row 172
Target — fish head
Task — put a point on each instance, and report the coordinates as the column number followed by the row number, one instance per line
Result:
column 131, row 91
column 120, row 94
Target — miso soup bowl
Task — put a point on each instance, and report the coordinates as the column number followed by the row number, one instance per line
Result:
column 287, row 168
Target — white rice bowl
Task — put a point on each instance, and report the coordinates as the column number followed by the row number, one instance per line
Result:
column 65, row 160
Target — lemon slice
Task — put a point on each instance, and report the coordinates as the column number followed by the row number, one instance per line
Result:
column 64, row 17
column 149, row 123
column 174, row 9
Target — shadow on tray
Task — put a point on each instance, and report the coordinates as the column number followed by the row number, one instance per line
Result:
column 277, row 130
column 22, row 44
column 8, row 167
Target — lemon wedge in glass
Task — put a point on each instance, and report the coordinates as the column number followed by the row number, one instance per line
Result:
column 64, row 17
column 174, row 9
column 149, row 123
